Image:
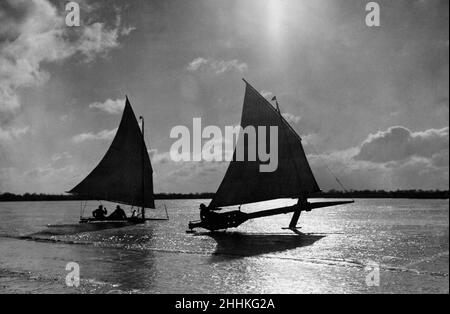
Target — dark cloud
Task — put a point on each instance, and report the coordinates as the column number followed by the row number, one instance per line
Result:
column 441, row 159
column 392, row 159
column 399, row 143
column 12, row 14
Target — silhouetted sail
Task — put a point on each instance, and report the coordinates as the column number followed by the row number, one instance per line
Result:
column 124, row 175
column 244, row 182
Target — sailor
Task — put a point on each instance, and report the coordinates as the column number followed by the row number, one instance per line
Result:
column 99, row 213
column 204, row 212
column 118, row 214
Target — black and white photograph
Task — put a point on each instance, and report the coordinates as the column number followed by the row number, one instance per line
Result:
column 224, row 153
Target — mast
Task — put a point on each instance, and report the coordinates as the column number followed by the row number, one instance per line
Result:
column 276, row 102
column 244, row 183
column 143, row 168
column 124, row 173
column 302, row 199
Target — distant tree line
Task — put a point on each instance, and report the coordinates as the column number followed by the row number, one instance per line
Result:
column 417, row 194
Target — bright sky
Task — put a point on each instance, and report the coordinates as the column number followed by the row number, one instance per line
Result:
column 374, row 102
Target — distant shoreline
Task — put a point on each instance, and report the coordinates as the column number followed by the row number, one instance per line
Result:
column 411, row 194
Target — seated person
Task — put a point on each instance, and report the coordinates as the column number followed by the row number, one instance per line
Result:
column 99, row 213
column 118, row 214
column 207, row 213
column 204, row 211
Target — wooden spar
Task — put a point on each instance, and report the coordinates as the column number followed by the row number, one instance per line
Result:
column 143, row 169
column 233, row 219
column 243, row 183
column 116, row 177
column 289, row 209
column 296, row 215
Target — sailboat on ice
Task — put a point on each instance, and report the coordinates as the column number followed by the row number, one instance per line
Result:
column 125, row 174
column 243, row 182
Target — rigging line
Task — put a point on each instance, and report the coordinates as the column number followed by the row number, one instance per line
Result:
column 328, row 168
column 159, row 186
column 167, row 213
column 82, row 208
column 314, row 12
column 143, row 165
column 269, row 105
column 164, row 202
column 298, row 136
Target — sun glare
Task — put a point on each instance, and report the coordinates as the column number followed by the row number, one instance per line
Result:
column 275, row 17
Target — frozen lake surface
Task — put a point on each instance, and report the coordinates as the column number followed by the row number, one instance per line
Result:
column 408, row 239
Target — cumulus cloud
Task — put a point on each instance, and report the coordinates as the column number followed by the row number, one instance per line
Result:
column 95, row 40
column 216, row 66
column 396, row 158
column 399, row 143
column 127, row 30
column 266, row 94
column 415, row 171
column 158, row 158
column 37, row 179
column 34, row 32
column 441, row 159
column 60, row 156
column 291, row 118
column 192, row 176
column 109, row 106
column 102, row 135
column 12, row 133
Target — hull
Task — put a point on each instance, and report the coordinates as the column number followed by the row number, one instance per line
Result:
column 90, row 225
column 127, row 221
column 218, row 221
column 232, row 219
column 134, row 220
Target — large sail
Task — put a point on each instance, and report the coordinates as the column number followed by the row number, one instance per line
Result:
column 244, row 182
column 124, row 175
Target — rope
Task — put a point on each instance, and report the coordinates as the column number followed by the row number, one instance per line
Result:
column 167, row 213
column 82, row 208
column 328, row 168
column 164, row 202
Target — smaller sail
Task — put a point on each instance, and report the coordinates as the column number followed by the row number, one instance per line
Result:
column 244, row 182
column 124, row 175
